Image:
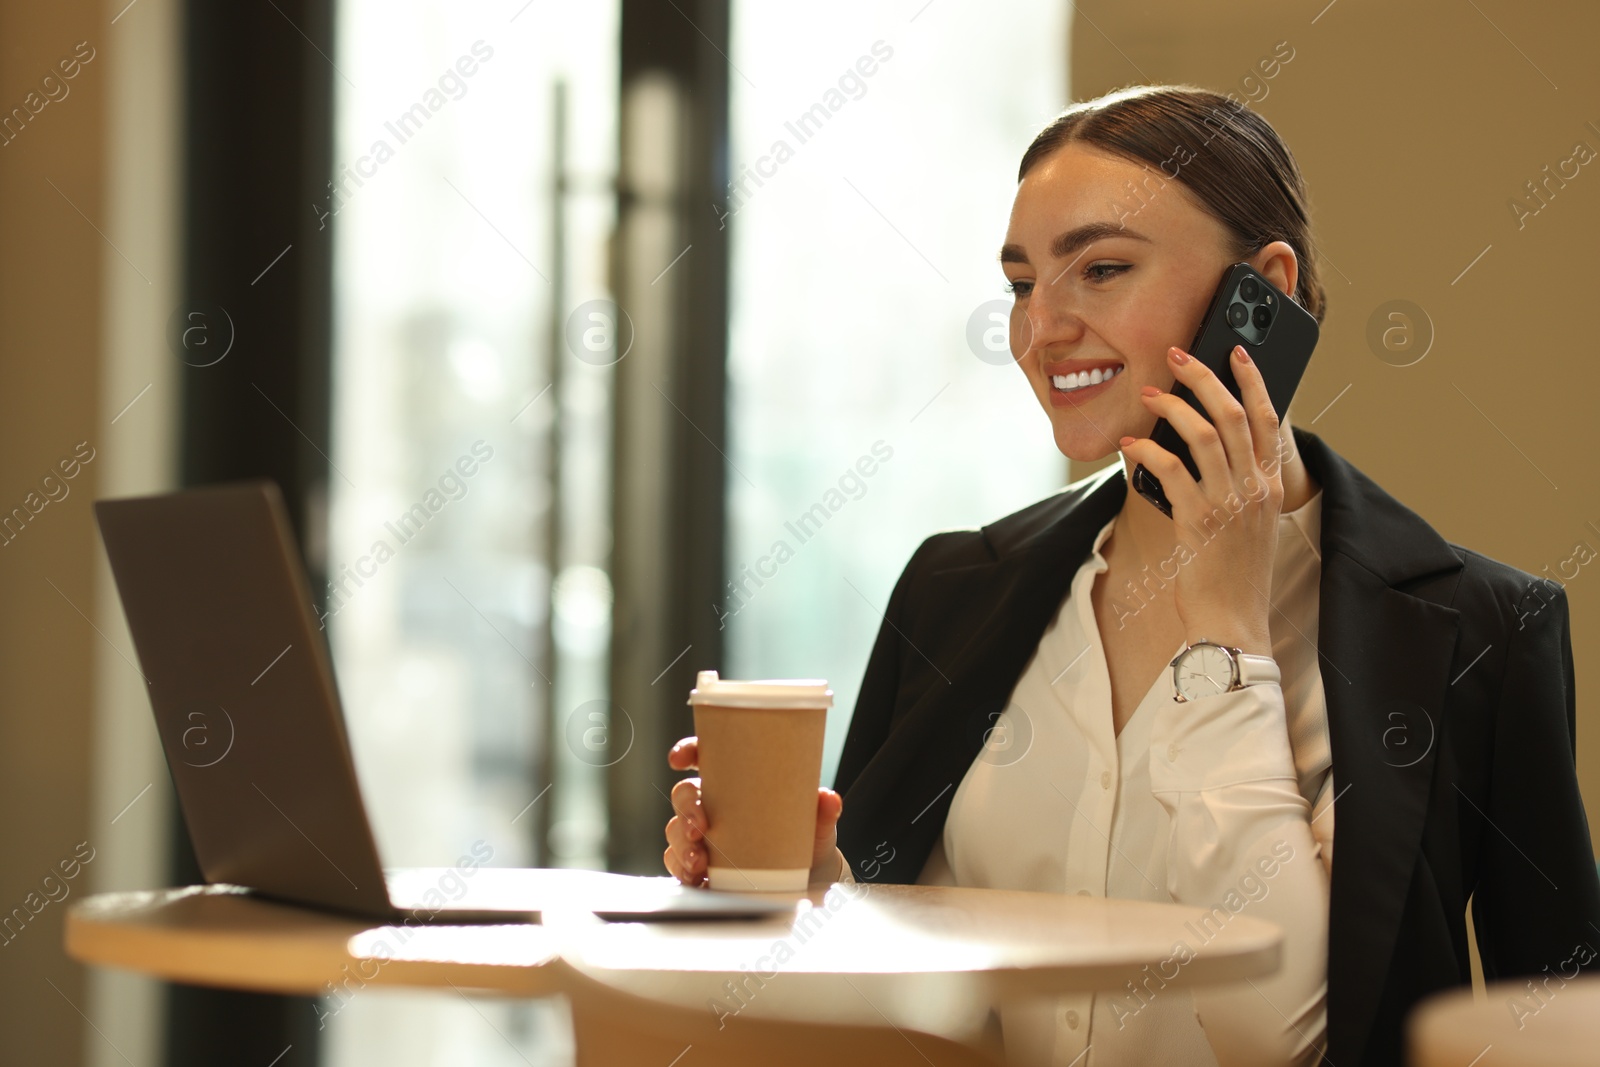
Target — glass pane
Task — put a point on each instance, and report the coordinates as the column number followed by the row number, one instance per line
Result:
column 448, row 227
column 873, row 162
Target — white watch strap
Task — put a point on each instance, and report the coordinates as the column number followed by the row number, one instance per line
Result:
column 1255, row 670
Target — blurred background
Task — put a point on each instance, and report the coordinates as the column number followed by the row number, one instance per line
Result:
column 667, row 270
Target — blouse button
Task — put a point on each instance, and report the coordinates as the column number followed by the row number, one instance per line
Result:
column 1105, row 779
column 1072, row 1020
column 1083, row 892
column 1172, row 752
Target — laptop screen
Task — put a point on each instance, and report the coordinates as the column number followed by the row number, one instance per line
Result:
column 243, row 691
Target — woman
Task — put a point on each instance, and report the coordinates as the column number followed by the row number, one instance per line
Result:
column 1020, row 724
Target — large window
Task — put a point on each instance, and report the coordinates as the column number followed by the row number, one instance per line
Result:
column 471, row 200
column 872, row 399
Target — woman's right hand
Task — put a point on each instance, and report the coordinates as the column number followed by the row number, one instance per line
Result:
column 686, row 856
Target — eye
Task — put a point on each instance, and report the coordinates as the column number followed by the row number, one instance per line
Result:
column 1019, row 288
column 1099, row 272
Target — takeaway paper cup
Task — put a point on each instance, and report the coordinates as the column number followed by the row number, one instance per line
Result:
column 760, row 766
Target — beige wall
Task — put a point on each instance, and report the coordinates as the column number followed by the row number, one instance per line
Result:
column 1415, row 125
column 50, row 332
column 85, row 292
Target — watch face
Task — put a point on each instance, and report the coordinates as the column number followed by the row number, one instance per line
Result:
column 1204, row 670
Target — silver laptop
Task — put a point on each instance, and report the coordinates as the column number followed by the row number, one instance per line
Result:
column 242, row 686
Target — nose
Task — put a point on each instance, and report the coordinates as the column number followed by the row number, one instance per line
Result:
column 1049, row 318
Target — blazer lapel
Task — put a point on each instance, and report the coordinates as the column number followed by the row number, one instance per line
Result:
column 1385, row 659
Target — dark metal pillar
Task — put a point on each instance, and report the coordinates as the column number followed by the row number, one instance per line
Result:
column 670, row 278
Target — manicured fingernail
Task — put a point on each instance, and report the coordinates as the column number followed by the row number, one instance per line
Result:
column 1178, row 356
column 1149, row 390
column 1126, row 441
column 1243, row 356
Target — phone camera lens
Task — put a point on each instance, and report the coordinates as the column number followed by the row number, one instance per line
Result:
column 1238, row 314
column 1249, row 290
column 1263, row 317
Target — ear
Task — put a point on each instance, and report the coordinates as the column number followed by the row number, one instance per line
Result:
column 1279, row 264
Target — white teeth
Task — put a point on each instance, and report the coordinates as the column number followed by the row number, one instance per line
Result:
column 1082, row 379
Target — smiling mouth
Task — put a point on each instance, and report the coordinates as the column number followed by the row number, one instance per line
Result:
column 1071, row 383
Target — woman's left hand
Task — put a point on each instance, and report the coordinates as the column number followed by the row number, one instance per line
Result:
column 1226, row 524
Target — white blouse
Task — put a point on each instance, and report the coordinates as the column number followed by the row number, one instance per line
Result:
column 1224, row 802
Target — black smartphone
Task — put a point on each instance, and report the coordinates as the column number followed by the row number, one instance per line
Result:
column 1279, row 336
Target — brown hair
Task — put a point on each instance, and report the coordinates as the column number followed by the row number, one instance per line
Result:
column 1226, row 155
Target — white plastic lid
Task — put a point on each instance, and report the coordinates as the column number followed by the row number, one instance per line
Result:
column 772, row 693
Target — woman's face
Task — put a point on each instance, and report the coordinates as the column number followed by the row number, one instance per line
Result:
column 1110, row 267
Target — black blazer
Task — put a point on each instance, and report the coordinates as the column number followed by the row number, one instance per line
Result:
column 1450, row 701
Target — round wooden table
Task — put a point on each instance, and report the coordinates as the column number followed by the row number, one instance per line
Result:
column 1555, row 1024
column 903, row 974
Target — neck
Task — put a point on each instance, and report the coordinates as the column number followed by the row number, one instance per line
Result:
column 1150, row 535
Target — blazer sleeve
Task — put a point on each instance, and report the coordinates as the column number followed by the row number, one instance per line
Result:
column 873, row 717
column 1537, row 900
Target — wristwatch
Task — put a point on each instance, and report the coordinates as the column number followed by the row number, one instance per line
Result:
column 1206, row 668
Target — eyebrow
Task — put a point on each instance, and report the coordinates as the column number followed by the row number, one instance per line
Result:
column 1074, row 239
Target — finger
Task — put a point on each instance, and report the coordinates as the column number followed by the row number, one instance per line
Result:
column 1183, row 492
column 1264, row 421
column 688, row 806
column 830, row 806
column 685, row 755
column 680, row 837
column 1203, row 439
column 694, row 862
column 676, row 868
column 1226, row 413
column 685, row 864
column 670, row 862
